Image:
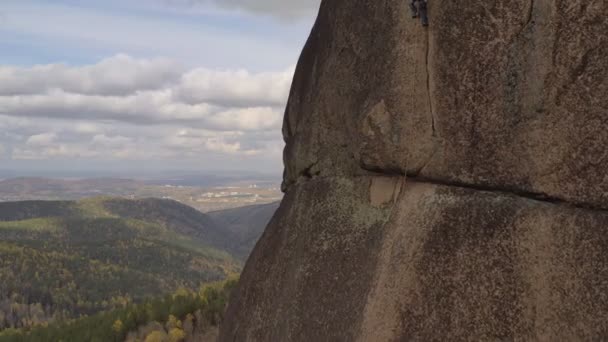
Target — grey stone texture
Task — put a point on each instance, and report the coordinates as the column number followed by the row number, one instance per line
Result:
column 442, row 183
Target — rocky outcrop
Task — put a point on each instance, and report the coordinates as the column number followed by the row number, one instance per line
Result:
column 445, row 183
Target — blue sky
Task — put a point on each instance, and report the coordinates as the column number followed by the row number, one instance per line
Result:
column 147, row 82
column 82, row 32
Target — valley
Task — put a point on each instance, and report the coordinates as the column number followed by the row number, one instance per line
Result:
column 60, row 260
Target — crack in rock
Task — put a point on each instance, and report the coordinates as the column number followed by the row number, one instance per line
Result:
column 510, row 191
column 428, row 82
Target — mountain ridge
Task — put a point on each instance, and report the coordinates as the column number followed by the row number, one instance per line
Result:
column 247, row 223
column 69, row 258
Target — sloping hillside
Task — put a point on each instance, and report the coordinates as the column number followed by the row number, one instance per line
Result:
column 247, row 223
column 186, row 316
column 173, row 215
column 65, row 259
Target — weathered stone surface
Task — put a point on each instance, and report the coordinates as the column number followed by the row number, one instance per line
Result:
column 507, row 94
column 310, row 272
column 461, row 264
column 442, row 263
column 496, row 116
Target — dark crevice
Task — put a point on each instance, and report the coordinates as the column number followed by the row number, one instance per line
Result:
column 509, row 191
column 529, row 16
column 387, row 172
column 309, row 172
column 428, row 82
column 429, row 99
column 530, row 11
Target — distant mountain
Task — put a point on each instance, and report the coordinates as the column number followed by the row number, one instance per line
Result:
column 204, row 194
column 177, row 217
column 66, row 189
column 247, row 223
column 215, row 179
column 63, row 259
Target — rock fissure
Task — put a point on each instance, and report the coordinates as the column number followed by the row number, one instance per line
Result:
column 530, row 11
column 508, row 191
column 535, row 196
column 428, row 82
column 529, row 16
column 310, row 171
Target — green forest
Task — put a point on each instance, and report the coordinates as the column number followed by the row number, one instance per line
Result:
column 183, row 316
column 61, row 261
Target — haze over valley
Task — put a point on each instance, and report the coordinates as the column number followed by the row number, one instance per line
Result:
column 205, row 192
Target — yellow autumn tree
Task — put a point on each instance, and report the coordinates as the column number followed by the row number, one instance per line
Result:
column 117, row 327
column 173, row 322
column 176, row 335
column 156, row 336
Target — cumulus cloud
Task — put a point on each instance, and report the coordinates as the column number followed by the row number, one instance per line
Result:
column 157, row 107
column 42, row 139
column 110, row 141
column 86, row 128
column 117, row 75
column 50, row 152
column 146, row 92
column 280, row 8
column 235, row 88
column 135, row 142
column 158, row 110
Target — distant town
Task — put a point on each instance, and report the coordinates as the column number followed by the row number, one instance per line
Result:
column 231, row 193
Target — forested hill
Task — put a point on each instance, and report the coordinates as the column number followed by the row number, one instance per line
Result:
column 184, row 316
column 65, row 259
column 247, row 223
column 173, row 215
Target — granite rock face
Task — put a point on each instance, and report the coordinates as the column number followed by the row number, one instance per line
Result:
column 446, row 183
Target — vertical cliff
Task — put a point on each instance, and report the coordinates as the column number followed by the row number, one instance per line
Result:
column 442, row 183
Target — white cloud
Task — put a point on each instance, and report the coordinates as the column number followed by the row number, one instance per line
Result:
column 113, row 141
column 200, row 112
column 247, row 119
column 281, row 8
column 235, row 88
column 226, row 142
column 157, row 107
column 131, row 108
column 86, row 128
column 144, row 143
column 117, row 75
column 219, row 100
column 42, row 139
column 289, row 8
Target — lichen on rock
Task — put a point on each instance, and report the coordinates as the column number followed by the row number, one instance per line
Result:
column 442, row 183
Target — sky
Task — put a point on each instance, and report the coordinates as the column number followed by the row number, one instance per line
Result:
column 147, row 84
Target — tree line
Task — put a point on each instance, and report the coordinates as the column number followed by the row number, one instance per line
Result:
column 182, row 316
